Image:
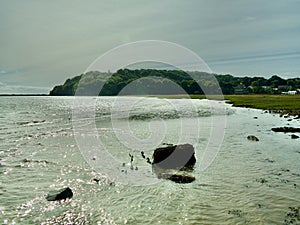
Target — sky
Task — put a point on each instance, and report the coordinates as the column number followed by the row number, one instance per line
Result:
column 42, row 43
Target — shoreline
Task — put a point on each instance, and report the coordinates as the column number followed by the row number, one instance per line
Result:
column 20, row 95
column 284, row 105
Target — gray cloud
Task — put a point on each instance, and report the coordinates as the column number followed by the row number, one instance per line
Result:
column 46, row 42
column 19, row 89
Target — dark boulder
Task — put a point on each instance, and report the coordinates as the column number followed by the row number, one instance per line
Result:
column 174, row 157
column 252, row 138
column 293, row 136
column 61, row 194
column 286, row 129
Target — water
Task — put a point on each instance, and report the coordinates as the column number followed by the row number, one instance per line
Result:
column 247, row 183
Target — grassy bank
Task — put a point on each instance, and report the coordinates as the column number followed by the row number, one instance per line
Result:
column 284, row 104
column 272, row 102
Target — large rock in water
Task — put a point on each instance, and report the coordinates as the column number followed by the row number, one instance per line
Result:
column 61, row 194
column 174, row 157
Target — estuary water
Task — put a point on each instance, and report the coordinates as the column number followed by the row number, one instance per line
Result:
column 47, row 143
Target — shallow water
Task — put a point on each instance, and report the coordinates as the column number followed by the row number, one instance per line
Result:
column 247, row 183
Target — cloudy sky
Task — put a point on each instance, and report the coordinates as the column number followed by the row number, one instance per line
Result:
column 44, row 42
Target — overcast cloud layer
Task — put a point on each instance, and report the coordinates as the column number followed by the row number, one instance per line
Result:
column 44, row 42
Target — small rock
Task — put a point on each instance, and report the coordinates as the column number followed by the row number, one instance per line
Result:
column 284, row 181
column 252, row 138
column 261, row 180
column 269, row 160
column 260, row 206
column 286, row 129
column 96, row 180
column 236, row 212
column 292, row 216
column 255, row 117
column 61, row 194
column 178, row 178
column 293, row 136
column 148, row 160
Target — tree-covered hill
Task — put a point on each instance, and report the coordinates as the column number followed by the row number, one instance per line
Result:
column 151, row 81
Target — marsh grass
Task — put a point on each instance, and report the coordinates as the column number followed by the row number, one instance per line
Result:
column 270, row 102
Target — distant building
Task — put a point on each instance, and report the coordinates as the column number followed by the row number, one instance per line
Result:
column 284, row 87
column 289, row 92
column 241, row 89
column 292, row 92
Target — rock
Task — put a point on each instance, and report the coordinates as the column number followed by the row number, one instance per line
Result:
column 96, row 180
column 236, row 212
column 170, row 157
column 261, row 180
column 255, row 117
column 293, row 136
column 148, row 160
column 286, row 129
column 178, row 178
column 61, row 194
column 260, row 206
column 34, row 161
column 31, row 122
column 269, row 160
column 292, row 216
column 174, row 157
column 252, row 138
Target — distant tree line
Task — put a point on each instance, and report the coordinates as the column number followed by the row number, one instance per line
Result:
column 151, row 81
